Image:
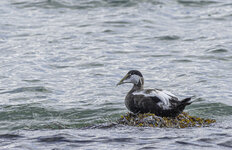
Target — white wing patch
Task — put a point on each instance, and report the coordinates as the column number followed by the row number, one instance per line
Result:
column 163, row 95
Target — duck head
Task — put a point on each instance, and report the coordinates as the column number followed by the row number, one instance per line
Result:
column 134, row 76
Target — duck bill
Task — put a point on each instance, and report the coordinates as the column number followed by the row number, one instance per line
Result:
column 121, row 81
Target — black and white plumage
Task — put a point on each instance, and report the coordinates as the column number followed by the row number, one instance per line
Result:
column 157, row 101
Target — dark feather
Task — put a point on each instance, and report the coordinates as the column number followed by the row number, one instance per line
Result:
column 160, row 102
column 143, row 104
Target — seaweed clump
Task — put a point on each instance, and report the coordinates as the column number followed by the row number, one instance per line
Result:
column 151, row 120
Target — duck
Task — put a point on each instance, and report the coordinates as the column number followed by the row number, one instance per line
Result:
column 157, row 101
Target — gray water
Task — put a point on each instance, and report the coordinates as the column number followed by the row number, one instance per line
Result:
column 61, row 59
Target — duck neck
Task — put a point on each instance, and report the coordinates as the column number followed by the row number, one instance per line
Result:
column 138, row 87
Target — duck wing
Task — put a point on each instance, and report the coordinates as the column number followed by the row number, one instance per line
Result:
column 164, row 99
column 160, row 102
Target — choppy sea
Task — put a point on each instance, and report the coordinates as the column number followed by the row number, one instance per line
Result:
column 61, row 59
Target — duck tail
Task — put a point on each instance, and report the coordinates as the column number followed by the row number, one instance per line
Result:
column 186, row 101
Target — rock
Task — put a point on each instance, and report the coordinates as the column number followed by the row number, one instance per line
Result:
column 151, row 120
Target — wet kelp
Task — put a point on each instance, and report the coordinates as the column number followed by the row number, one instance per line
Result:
column 183, row 120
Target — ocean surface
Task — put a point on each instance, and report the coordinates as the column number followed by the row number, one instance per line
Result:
column 61, row 60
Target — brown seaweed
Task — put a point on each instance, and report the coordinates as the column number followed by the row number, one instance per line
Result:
column 183, row 120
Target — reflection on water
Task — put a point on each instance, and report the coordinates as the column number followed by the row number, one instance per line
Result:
column 61, row 59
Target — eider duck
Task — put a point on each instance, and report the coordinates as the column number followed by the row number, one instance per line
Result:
column 160, row 102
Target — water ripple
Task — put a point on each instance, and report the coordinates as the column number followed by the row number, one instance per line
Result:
column 10, row 136
column 56, row 138
column 169, row 37
column 226, row 144
column 28, row 89
column 196, row 3
column 220, row 50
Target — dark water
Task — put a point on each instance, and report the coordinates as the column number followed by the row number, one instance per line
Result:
column 61, row 59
